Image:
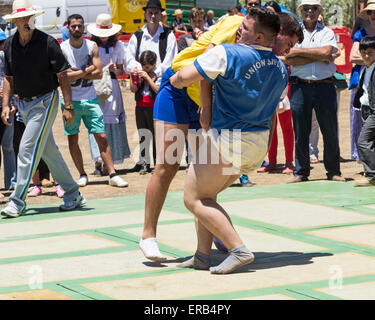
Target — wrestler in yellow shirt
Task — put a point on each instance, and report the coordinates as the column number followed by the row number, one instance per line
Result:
column 222, row 32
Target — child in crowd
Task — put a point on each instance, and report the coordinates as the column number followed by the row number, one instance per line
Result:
column 145, row 85
column 365, row 99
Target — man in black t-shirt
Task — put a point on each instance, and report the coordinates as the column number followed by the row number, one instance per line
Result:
column 34, row 68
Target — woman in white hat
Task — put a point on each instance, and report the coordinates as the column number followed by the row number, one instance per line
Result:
column 355, row 114
column 177, row 24
column 112, row 54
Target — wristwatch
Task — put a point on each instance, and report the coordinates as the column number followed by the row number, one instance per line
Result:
column 69, row 107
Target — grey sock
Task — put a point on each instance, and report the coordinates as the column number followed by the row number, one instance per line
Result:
column 237, row 257
column 199, row 261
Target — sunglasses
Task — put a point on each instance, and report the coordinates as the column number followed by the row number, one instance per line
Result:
column 253, row 4
column 370, row 12
column 312, row 8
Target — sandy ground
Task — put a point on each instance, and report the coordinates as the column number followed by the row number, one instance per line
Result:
column 99, row 188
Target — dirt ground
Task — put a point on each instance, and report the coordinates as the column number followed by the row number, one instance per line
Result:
column 99, row 188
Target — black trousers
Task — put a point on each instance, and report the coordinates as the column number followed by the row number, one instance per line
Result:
column 144, row 117
column 366, row 142
column 19, row 128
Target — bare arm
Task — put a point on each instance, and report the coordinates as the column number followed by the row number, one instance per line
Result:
column 117, row 69
column 317, row 54
column 205, row 91
column 185, row 77
column 68, row 115
column 355, row 56
column 8, row 89
column 149, row 80
column 97, row 73
column 298, row 61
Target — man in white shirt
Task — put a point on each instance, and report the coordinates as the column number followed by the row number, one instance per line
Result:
column 152, row 37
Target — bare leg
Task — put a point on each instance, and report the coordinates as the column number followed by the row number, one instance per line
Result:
column 203, row 183
column 76, row 153
column 105, row 151
column 170, row 143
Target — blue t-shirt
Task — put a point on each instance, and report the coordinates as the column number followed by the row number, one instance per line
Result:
column 248, row 84
column 354, row 76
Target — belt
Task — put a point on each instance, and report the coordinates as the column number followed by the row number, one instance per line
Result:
column 28, row 99
column 295, row 80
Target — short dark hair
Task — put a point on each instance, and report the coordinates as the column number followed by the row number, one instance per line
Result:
column 112, row 40
column 75, row 16
column 290, row 26
column 259, row 2
column 367, row 43
column 148, row 57
column 274, row 5
column 265, row 19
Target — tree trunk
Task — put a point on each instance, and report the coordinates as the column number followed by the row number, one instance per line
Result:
column 294, row 6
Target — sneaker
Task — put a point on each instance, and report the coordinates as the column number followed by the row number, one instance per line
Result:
column 83, row 180
column 73, row 204
column 245, row 182
column 136, row 168
column 145, row 169
column 297, row 179
column 336, row 178
column 34, row 191
column 59, row 191
column 314, row 159
column 117, row 181
column 10, row 212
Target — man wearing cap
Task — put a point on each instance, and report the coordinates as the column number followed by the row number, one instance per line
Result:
column 152, row 37
column 6, row 132
column 86, row 66
column 32, row 53
column 312, row 70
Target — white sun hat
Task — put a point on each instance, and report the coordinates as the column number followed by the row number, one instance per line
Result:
column 310, row 3
column 22, row 8
column 103, row 26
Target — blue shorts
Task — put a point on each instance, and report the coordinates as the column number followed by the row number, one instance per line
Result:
column 174, row 105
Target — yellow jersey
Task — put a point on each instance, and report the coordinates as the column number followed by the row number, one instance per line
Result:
column 222, row 32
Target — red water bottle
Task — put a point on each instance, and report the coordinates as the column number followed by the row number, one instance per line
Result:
column 135, row 79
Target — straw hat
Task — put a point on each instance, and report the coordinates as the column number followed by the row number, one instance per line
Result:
column 22, row 8
column 103, row 26
column 370, row 6
column 177, row 12
column 310, row 3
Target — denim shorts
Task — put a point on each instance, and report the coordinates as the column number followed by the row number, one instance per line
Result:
column 91, row 114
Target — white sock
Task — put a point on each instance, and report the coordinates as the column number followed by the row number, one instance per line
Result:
column 150, row 249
